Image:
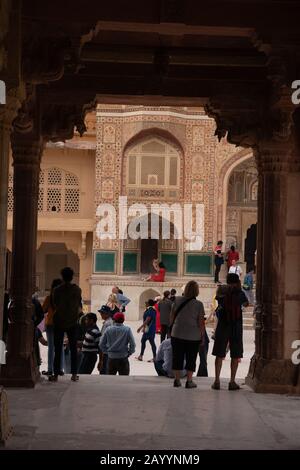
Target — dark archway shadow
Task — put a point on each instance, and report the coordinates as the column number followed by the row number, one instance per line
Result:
column 250, row 247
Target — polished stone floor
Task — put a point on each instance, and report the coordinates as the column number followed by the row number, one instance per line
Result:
column 143, row 412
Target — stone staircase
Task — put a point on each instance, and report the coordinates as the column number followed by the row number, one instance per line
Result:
column 248, row 320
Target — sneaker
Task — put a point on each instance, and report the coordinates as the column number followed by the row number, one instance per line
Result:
column 216, row 386
column 177, row 383
column 190, row 384
column 233, row 386
column 52, row 378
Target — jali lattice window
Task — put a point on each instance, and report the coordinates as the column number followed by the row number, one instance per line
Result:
column 58, row 192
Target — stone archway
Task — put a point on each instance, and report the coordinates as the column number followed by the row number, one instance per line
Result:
column 241, row 202
column 146, row 295
column 225, row 173
column 51, row 258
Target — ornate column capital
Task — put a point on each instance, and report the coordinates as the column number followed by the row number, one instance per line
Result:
column 27, row 149
column 9, row 111
column 60, row 120
column 273, row 157
column 278, row 155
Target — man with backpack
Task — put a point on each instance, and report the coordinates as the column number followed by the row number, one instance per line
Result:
column 229, row 328
column 164, row 307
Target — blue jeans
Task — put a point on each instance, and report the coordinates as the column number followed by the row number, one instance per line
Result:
column 58, row 348
column 104, row 369
column 88, row 362
column 50, row 339
column 151, row 340
column 250, row 295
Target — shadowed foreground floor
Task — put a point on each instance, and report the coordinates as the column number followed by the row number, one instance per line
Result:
column 148, row 413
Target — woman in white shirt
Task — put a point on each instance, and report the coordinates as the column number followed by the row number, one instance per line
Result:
column 235, row 268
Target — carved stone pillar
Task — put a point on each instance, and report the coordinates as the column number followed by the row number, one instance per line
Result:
column 7, row 113
column 258, row 263
column 271, row 368
column 21, row 368
column 4, row 157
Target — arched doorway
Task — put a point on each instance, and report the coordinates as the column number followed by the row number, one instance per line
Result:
column 51, row 258
column 160, row 244
column 146, row 295
column 242, row 209
column 149, row 251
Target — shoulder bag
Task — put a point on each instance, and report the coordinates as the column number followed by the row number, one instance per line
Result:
column 179, row 308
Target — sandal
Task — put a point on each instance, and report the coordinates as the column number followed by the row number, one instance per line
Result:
column 75, row 378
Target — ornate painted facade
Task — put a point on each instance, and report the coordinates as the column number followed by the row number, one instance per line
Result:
column 152, row 155
column 162, row 155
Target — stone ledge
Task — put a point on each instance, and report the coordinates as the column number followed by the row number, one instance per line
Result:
column 95, row 281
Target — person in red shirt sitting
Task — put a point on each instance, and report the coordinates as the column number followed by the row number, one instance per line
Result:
column 160, row 276
column 232, row 254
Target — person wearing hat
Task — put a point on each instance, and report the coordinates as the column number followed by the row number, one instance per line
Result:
column 118, row 343
column 105, row 313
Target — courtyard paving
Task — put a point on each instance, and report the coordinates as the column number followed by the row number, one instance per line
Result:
column 143, row 412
